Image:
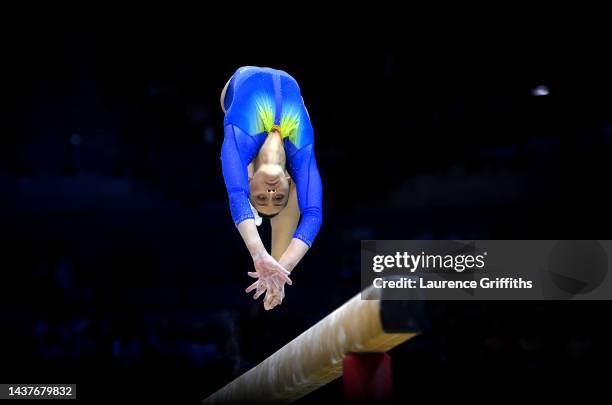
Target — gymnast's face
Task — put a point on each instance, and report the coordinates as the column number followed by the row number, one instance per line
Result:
column 269, row 189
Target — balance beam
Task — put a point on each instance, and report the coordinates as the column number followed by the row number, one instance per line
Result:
column 315, row 357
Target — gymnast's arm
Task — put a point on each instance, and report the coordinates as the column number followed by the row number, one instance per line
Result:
column 302, row 167
column 237, row 151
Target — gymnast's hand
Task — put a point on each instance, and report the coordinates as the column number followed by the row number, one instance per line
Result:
column 275, row 293
column 270, row 274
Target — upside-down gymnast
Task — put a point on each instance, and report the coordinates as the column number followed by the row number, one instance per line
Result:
column 270, row 171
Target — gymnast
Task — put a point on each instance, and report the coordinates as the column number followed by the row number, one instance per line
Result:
column 270, row 171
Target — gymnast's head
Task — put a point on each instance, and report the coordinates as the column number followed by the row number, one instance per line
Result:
column 269, row 185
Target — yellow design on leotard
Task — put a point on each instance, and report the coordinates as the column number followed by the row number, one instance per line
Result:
column 265, row 113
column 289, row 123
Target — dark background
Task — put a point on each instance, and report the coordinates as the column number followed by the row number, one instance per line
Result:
column 122, row 270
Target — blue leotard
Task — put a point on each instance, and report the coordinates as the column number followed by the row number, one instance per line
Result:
column 258, row 99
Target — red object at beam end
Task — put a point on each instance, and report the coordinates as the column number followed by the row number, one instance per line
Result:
column 367, row 377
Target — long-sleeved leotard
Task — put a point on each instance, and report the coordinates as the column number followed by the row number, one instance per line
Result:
column 258, row 100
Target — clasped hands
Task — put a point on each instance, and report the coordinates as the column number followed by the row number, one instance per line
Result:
column 271, row 278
